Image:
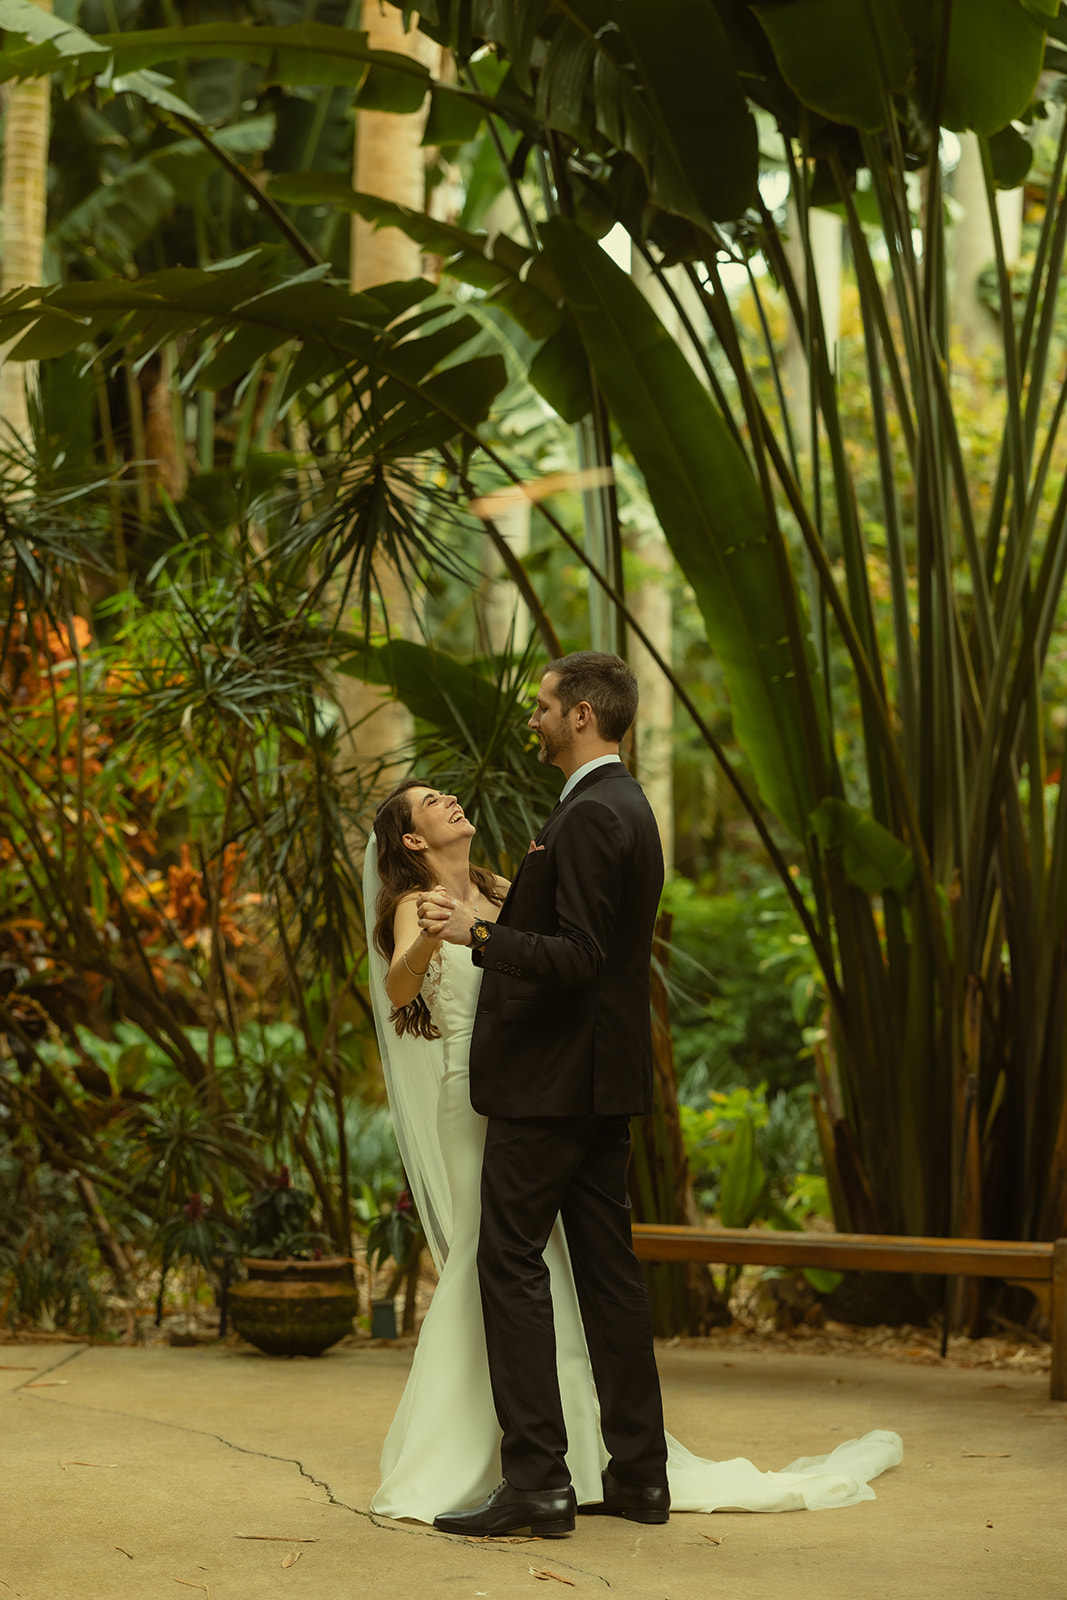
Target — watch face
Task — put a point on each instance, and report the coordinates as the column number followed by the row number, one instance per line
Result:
column 480, row 933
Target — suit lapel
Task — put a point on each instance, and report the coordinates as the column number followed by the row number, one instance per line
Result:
column 610, row 770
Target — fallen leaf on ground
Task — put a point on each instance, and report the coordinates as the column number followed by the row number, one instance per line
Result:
column 989, row 1524
column 189, row 1585
column 986, row 1455
column 544, row 1574
column 713, row 1538
column 48, row 1383
column 108, row 1466
column 292, row 1558
column 277, row 1538
column 18, row 1369
column 124, row 1552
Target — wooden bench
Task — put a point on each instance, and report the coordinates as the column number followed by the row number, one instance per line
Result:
column 1018, row 1262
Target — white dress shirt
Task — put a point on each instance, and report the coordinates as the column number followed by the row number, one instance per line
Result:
column 576, row 777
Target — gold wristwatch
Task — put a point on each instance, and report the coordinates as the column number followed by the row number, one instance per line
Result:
column 480, row 931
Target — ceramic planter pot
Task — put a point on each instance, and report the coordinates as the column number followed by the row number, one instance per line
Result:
column 294, row 1308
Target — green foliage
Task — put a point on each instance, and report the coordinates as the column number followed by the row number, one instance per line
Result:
column 470, row 739
column 49, row 1273
column 709, row 507
column 742, row 1179
column 276, row 1222
column 744, row 986
column 756, row 1158
column 395, row 1233
column 882, row 607
column 196, row 1235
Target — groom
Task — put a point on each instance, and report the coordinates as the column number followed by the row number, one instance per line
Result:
column 561, row 1058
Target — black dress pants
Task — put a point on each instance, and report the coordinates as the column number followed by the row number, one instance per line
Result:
column 535, row 1169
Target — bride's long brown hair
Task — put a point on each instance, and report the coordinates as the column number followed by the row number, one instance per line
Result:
column 403, row 871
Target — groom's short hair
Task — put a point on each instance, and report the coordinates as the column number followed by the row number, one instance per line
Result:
column 606, row 682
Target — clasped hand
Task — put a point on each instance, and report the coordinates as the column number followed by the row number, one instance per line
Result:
column 442, row 917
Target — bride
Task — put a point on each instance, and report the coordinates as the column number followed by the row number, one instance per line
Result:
column 443, row 1447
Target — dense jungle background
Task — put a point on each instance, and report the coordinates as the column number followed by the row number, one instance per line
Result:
column 356, row 362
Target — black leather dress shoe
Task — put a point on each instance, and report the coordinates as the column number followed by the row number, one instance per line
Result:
column 546, row 1512
column 625, row 1500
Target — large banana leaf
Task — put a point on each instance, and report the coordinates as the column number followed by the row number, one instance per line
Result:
column 37, row 43
column 835, row 53
column 844, row 59
column 873, row 858
column 307, row 54
column 513, row 275
column 516, row 279
column 661, row 84
column 413, row 393
column 711, row 512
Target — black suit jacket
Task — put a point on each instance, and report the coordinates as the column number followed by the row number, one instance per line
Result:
column 563, row 1025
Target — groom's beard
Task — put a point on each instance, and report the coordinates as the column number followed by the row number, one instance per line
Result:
column 553, row 745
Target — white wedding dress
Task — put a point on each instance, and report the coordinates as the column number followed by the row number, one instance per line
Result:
column 443, row 1448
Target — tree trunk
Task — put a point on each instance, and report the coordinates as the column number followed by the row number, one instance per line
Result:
column 503, row 620
column 826, row 244
column 110, row 1247
column 974, row 321
column 390, row 162
column 23, row 200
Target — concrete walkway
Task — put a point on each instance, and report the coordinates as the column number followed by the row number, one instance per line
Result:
column 132, row 1474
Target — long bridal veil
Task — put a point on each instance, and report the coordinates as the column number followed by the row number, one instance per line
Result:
column 446, row 1425
column 412, row 1067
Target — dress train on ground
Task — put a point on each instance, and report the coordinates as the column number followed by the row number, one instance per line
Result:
column 442, row 1451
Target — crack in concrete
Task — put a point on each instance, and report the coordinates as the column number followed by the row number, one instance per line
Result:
column 204, row 1433
column 27, row 1383
column 372, row 1517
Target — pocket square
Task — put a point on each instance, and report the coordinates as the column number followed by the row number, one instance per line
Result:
column 535, row 846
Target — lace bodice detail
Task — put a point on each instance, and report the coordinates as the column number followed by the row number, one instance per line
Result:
column 450, row 990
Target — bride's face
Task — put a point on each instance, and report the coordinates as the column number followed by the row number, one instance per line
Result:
column 437, row 821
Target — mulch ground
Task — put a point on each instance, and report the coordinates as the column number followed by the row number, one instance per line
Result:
column 190, row 1319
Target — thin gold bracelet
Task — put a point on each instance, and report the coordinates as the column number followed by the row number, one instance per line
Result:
column 411, row 969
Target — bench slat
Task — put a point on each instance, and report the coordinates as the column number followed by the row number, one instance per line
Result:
column 973, row 1258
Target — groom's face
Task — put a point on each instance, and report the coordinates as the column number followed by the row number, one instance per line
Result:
column 551, row 723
